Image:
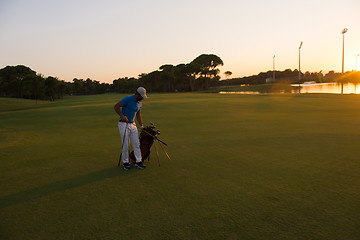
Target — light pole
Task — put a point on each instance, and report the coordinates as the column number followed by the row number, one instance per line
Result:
column 343, row 33
column 299, row 61
column 299, row 67
column 356, row 63
column 274, row 68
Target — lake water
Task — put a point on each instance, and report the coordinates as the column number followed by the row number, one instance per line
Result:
column 334, row 88
column 348, row 88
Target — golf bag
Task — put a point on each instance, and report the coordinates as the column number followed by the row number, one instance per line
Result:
column 147, row 138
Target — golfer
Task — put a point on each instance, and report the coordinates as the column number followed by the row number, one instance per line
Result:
column 128, row 108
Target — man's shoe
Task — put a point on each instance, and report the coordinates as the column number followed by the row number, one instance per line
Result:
column 140, row 165
column 127, row 166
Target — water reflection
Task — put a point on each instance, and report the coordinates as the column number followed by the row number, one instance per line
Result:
column 310, row 87
column 241, row 92
column 337, row 88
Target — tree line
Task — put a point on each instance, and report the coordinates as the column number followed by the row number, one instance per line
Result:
column 292, row 76
column 22, row 82
column 200, row 74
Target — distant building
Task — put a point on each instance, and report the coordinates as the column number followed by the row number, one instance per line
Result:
column 269, row 80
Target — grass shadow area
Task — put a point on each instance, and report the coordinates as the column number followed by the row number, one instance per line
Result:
column 35, row 193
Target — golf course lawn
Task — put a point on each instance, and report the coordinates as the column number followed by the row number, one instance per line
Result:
column 242, row 167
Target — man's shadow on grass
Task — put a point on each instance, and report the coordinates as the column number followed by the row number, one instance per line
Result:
column 55, row 187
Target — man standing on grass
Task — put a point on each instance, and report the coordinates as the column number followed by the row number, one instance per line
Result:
column 128, row 108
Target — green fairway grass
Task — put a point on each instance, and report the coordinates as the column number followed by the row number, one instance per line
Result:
column 242, row 167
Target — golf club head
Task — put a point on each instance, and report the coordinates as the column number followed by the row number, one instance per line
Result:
column 152, row 126
column 152, row 129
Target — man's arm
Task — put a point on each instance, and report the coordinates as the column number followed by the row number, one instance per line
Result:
column 139, row 118
column 117, row 109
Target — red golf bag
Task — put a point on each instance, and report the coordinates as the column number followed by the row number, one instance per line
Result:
column 147, row 138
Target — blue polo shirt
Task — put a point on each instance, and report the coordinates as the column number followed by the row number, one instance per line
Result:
column 131, row 107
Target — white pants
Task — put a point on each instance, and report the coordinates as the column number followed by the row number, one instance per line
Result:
column 129, row 132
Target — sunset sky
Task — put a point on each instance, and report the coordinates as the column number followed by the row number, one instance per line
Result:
column 108, row 39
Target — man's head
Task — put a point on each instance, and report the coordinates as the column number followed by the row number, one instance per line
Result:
column 140, row 94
